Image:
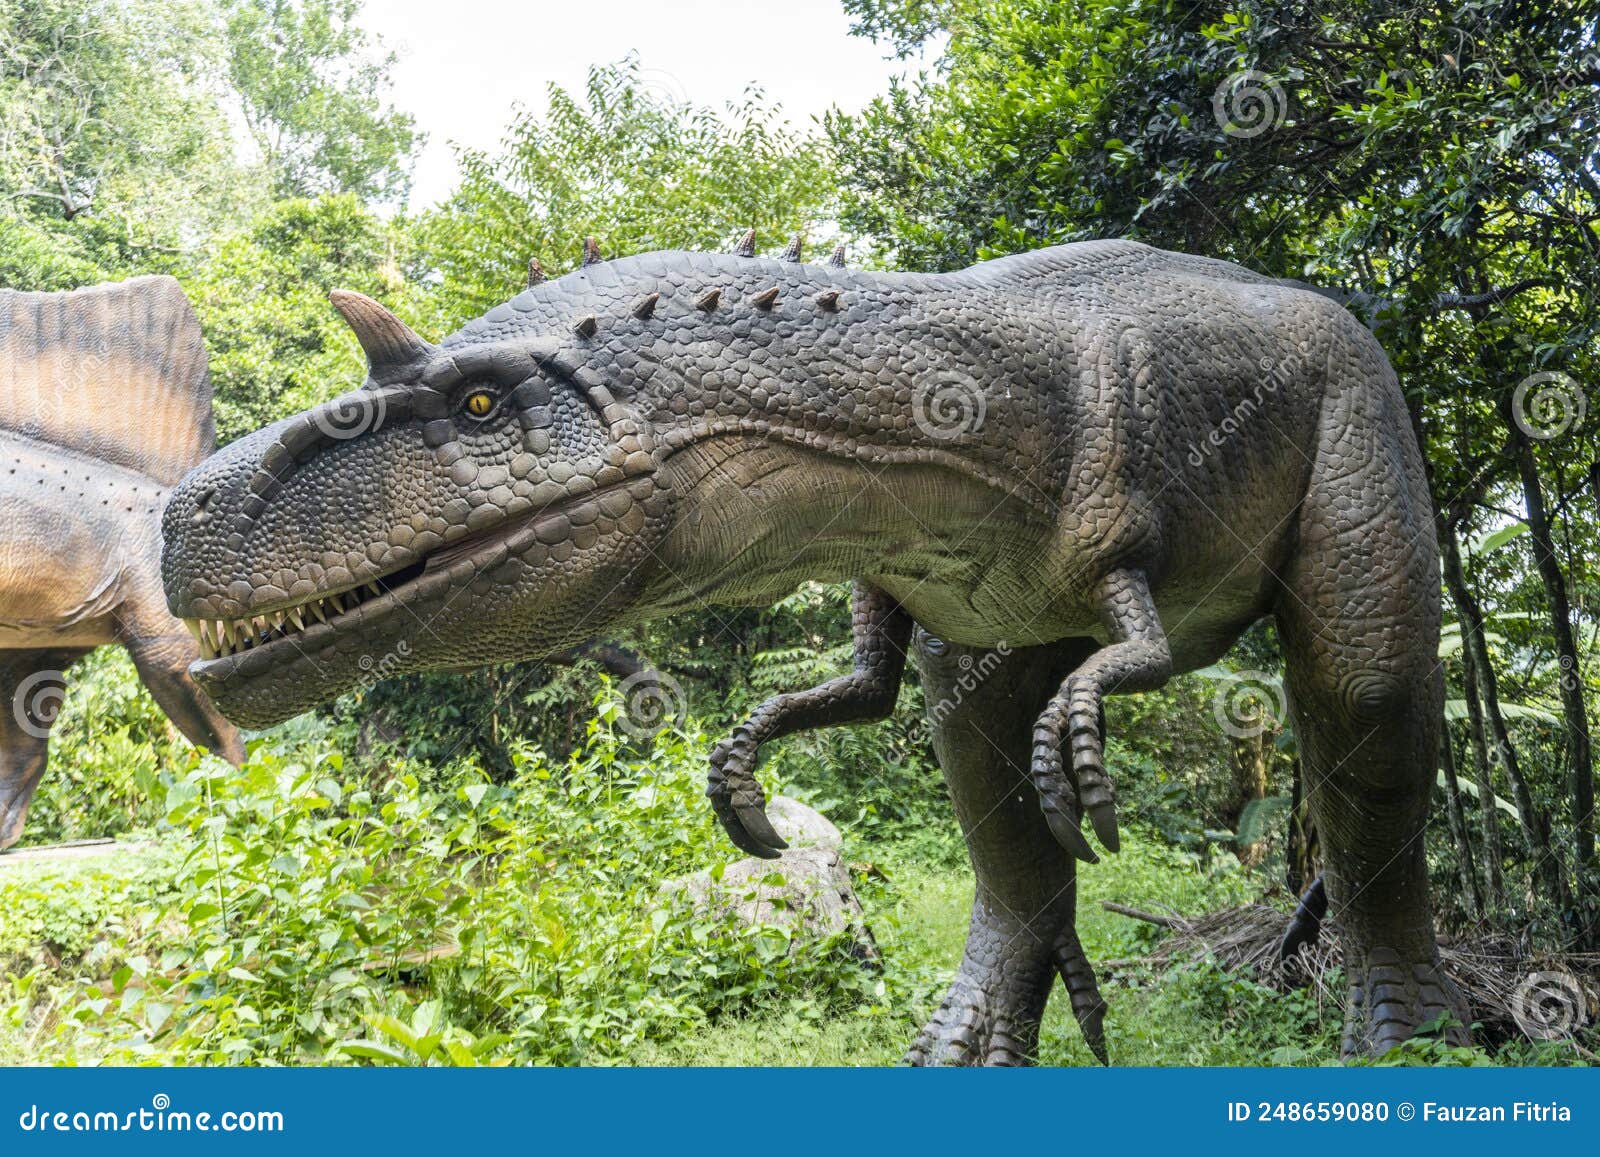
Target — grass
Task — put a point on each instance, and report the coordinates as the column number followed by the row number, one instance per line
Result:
column 1193, row 1016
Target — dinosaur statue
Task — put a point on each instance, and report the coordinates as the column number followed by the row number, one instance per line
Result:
column 1055, row 476
column 105, row 402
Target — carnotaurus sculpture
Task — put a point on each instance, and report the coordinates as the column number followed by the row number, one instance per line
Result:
column 1078, row 470
column 104, row 403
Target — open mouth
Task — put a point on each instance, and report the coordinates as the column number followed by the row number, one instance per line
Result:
column 220, row 638
column 229, row 638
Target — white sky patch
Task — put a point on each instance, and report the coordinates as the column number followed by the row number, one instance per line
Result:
column 466, row 64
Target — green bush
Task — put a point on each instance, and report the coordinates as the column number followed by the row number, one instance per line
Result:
column 313, row 909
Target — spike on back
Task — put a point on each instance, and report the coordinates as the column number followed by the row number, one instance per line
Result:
column 591, row 251
column 837, row 260
column 796, row 246
column 646, row 306
column 535, row 272
column 747, row 244
column 828, row 300
column 586, row 326
column 766, row 299
column 707, row 301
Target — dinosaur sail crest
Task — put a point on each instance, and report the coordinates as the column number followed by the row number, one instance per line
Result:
column 117, row 372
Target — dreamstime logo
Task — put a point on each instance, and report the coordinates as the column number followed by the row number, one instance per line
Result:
column 1247, row 703
column 662, row 87
column 1549, row 1005
column 1274, row 376
column 1546, row 405
column 350, row 415
column 948, row 406
column 374, row 671
column 651, row 701
column 38, row 701
column 1249, row 103
column 974, row 673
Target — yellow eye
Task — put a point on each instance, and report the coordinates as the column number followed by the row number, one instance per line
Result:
column 479, row 403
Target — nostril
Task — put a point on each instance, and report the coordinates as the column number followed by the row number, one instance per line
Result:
column 202, row 506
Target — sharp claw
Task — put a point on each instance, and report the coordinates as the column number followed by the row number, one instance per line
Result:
column 1104, row 820
column 760, row 829
column 1069, row 836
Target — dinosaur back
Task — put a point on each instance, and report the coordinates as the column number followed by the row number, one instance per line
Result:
column 117, row 372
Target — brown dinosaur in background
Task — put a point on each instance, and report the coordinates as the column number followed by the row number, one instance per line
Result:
column 105, row 402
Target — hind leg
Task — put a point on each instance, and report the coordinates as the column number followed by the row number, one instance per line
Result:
column 982, row 705
column 1359, row 618
column 32, row 686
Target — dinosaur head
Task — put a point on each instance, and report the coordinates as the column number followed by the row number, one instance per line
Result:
column 483, row 500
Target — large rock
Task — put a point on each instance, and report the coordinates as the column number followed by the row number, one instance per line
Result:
column 806, row 889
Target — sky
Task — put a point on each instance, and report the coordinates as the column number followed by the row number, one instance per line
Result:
column 465, row 64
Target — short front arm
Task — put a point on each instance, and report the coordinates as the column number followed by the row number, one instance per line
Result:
column 1136, row 659
column 882, row 632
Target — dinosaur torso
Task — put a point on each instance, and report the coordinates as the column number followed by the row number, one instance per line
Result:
column 979, row 443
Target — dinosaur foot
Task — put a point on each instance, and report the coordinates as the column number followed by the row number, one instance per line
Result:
column 738, row 800
column 992, row 1013
column 15, row 798
column 1391, row 997
column 1086, row 788
column 972, row 1027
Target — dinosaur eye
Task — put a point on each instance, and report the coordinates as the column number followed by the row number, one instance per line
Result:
column 478, row 403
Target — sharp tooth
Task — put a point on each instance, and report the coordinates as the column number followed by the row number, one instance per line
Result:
column 202, row 631
column 278, row 620
column 375, row 589
column 193, row 628
column 297, row 618
column 316, row 609
column 230, row 630
column 338, row 603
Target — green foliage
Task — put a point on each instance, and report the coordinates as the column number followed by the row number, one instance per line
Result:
column 311, row 85
column 112, row 752
column 531, row 912
column 276, row 345
column 629, row 166
column 113, row 145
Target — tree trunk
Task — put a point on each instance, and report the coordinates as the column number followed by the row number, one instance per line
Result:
column 1458, row 824
column 1487, row 812
column 1545, row 861
column 1580, row 763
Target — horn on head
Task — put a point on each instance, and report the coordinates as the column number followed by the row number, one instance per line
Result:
column 389, row 343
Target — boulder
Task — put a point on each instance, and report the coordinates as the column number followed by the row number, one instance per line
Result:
column 806, row 889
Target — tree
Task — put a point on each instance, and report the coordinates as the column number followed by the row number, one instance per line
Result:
column 311, row 84
column 1433, row 162
column 112, row 143
column 631, row 168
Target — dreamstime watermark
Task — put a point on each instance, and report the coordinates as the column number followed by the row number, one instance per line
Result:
column 662, row 87
column 1277, row 373
column 1248, row 703
column 975, row 671
column 948, row 405
column 38, row 701
column 651, row 702
column 350, row 415
column 1548, row 404
column 159, row 1117
column 375, row 671
column 1550, row 1005
column 1249, row 103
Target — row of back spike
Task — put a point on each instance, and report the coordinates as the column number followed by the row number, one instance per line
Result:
column 745, row 248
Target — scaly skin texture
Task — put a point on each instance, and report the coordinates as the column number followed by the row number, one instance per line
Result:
column 104, row 403
column 1105, row 457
